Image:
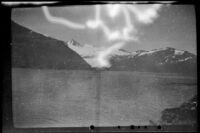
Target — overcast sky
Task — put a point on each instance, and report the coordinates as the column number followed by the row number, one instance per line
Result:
column 175, row 26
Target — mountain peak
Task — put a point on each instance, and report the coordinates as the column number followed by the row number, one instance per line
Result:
column 75, row 43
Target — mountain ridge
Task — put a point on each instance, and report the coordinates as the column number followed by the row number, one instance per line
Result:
column 34, row 50
column 165, row 60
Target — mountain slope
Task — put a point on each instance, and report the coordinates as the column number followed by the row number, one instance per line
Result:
column 184, row 114
column 165, row 60
column 34, row 50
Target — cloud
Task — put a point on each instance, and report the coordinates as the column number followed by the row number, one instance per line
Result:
column 103, row 56
column 147, row 15
column 59, row 20
column 112, row 11
column 117, row 37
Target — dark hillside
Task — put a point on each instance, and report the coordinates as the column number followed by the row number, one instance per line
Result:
column 34, row 50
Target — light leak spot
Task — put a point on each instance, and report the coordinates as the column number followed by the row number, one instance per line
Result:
column 122, row 35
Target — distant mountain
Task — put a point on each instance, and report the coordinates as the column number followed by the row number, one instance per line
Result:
column 89, row 52
column 166, row 60
column 184, row 114
column 34, row 50
column 74, row 43
column 83, row 50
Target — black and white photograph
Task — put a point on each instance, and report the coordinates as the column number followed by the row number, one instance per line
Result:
column 104, row 65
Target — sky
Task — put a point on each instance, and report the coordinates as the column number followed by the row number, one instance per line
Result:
column 172, row 26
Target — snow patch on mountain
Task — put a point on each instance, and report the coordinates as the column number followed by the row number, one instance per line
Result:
column 122, row 52
column 89, row 53
column 83, row 50
column 46, row 35
column 87, row 50
column 185, row 59
column 148, row 52
column 178, row 52
column 152, row 51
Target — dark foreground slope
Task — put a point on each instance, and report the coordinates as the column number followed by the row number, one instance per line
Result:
column 185, row 114
column 34, row 50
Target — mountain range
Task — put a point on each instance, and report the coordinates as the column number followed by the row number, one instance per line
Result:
column 34, row 50
column 165, row 60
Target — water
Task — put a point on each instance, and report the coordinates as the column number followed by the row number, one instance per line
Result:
column 63, row 98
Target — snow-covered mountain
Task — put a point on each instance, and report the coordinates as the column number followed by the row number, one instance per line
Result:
column 89, row 52
column 83, row 50
column 167, row 60
column 157, row 60
column 164, row 55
